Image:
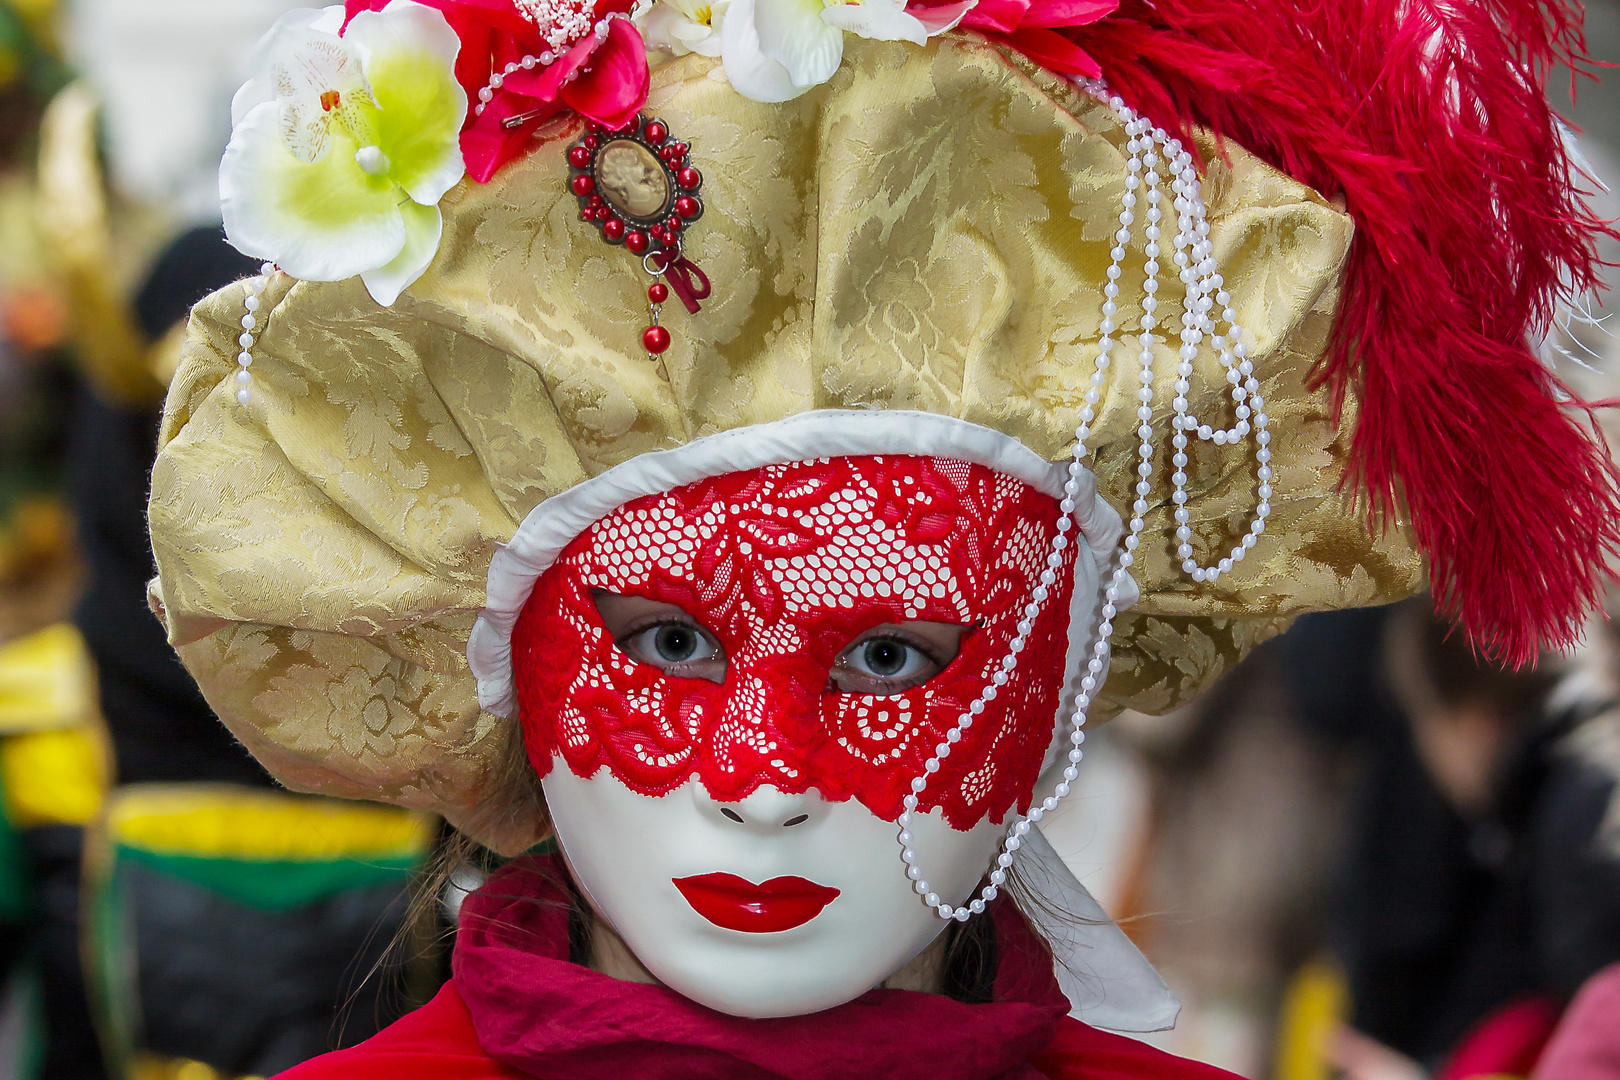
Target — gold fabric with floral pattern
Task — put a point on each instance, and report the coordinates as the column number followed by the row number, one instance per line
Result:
column 929, row 230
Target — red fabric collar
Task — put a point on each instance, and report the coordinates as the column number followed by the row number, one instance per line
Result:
column 536, row 1012
column 529, row 1013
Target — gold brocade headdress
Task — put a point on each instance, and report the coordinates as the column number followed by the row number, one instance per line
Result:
column 930, row 230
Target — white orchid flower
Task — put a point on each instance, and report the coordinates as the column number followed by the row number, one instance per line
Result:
column 342, row 146
column 684, row 26
column 775, row 50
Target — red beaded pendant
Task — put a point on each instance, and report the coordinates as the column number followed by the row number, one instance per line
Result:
column 638, row 186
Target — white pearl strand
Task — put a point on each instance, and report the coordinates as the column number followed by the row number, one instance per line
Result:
column 250, row 323
column 1198, row 271
column 559, row 41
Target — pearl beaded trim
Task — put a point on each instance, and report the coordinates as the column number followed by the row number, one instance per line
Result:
column 250, row 323
column 1192, row 255
column 560, row 37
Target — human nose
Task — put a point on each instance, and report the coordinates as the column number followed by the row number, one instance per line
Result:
column 768, row 811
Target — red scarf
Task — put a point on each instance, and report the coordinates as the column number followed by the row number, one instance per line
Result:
column 517, row 1009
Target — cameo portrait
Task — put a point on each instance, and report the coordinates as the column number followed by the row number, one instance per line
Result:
column 632, row 179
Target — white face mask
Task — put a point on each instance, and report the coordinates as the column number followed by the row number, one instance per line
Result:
column 748, row 675
column 691, row 643
column 628, row 851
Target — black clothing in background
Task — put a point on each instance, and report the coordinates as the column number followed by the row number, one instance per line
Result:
column 195, row 264
column 71, row 1050
column 308, row 991
column 161, row 727
column 1439, row 920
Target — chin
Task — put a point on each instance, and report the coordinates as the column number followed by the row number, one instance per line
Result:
column 765, row 984
column 835, row 958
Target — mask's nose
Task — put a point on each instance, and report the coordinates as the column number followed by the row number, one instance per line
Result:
column 767, row 811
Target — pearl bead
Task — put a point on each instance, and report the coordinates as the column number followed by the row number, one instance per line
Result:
column 243, row 397
column 1192, row 253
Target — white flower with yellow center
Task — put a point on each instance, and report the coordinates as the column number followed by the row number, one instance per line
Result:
column 342, row 146
column 775, row 50
column 684, row 26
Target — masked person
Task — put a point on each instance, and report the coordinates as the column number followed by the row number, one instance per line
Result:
column 782, row 615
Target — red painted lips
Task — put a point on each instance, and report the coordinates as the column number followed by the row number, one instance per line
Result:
column 735, row 904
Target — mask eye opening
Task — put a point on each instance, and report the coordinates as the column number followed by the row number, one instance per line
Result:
column 661, row 636
column 926, row 650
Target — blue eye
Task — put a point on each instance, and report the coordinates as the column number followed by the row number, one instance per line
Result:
column 887, row 658
column 678, row 644
column 677, row 647
column 891, row 659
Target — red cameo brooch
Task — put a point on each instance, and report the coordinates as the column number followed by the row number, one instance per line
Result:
column 638, row 186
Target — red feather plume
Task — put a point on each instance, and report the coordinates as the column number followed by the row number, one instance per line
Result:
column 1428, row 118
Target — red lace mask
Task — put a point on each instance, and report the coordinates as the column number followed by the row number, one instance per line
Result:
column 785, row 566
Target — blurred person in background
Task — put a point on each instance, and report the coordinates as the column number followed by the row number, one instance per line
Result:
column 1366, row 852
column 1479, row 887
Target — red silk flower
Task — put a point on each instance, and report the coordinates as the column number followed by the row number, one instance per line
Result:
column 604, row 80
column 1032, row 27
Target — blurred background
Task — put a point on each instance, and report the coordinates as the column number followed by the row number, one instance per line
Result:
column 1363, row 854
